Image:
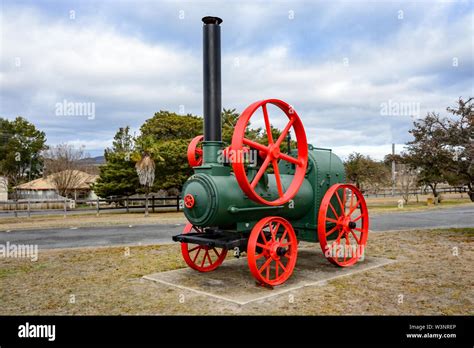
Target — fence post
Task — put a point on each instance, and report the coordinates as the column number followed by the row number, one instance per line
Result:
column 65, row 207
column 98, row 207
column 177, row 203
column 29, row 208
column 16, row 206
column 126, row 204
column 153, row 203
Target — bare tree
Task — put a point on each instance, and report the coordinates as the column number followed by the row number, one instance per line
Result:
column 406, row 179
column 63, row 165
column 146, row 174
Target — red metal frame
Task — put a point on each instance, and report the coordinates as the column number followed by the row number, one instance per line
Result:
column 194, row 152
column 200, row 257
column 271, row 152
column 345, row 223
column 272, row 250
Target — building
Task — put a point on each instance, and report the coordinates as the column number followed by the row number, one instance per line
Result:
column 3, row 189
column 80, row 186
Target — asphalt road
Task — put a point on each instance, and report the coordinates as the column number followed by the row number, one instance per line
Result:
column 161, row 233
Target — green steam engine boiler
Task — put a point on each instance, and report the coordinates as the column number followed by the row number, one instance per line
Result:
column 252, row 197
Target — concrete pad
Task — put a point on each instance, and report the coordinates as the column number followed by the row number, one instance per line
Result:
column 233, row 282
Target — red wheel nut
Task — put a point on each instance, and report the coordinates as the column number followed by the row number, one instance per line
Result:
column 189, row 201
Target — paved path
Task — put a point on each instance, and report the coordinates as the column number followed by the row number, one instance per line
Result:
column 161, row 233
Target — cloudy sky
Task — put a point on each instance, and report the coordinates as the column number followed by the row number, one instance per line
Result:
column 346, row 67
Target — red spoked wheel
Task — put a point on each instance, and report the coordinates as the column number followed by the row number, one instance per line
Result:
column 194, row 152
column 200, row 257
column 272, row 250
column 343, row 225
column 270, row 153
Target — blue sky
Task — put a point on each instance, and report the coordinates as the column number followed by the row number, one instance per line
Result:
column 336, row 62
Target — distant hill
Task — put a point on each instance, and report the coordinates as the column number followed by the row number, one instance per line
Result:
column 93, row 161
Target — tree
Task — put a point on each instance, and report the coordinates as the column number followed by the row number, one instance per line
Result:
column 118, row 176
column 428, row 153
column 21, row 144
column 406, row 180
column 365, row 173
column 443, row 148
column 63, row 165
column 146, row 174
column 459, row 139
column 166, row 125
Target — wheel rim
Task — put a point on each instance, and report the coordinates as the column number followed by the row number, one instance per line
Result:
column 270, row 153
column 194, row 152
column 199, row 257
column 343, row 225
column 272, row 250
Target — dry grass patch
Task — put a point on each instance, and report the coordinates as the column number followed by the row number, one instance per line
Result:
column 89, row 220
column 428, row 275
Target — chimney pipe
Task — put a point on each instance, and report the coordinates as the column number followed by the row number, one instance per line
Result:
column 212, row 78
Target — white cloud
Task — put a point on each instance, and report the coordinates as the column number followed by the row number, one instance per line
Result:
column 129, row 78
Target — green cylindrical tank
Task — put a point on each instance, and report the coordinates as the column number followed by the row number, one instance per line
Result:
column 219, row 201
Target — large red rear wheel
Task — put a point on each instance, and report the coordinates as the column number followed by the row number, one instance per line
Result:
column 195, row 152
column 270, row 153
column 272, row 250
column 343, row 225
column 200, row 257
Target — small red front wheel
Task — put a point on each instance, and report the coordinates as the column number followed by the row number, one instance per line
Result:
column 343, row 225
column 200, row 257
column 272, row 250
column 195, row 152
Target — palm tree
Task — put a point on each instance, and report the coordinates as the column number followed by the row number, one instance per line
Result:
column 145, row 168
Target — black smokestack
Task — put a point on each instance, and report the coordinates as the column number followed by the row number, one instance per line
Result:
column 212, row 78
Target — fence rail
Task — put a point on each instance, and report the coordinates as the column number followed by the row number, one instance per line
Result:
column 126, row 204
column 388, row 193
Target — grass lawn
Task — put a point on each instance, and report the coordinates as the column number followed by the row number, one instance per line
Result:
column 432, row 275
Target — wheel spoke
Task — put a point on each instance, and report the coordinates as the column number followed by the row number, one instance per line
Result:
column 260, row 172
column 263, row 237
column 267, row 124
column 344, row 199
column 204, row 258
column 289, row 158
column 284, row 235
column 336, row 215
column 265, row 265
column 359, row 229
column 355, row 236
column 199, row 152
column 277, row 177
column 209, row 257
column 255, row 145
column 216, row 252
column 195, row 256
column 328, row 233
column 196, row 247
column 352, row 199
column 263, row 246
column 340, row 203
column 284, row 132
column 357, row 218
column 274, row 230
column 331, row 220
column 281, row 265
column 354, row 208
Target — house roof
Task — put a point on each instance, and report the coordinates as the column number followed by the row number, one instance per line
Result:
column 83, row 181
